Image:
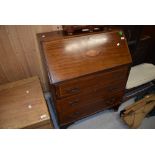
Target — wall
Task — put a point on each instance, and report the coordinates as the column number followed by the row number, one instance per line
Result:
column 150, row 30
column 19, row 53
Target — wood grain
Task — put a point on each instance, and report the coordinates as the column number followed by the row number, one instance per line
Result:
column 89, row 83
column 22, row 105
column 96, row 106
column 87, row 72
column 72, row 57
column 19, row 53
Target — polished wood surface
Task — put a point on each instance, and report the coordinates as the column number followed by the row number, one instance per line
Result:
column 68, row 104
column 20, row 56
column 92, row 82
column 87, row 72
column 96, row 106
column 22, row 105
column 96, row 92
column 74, row 57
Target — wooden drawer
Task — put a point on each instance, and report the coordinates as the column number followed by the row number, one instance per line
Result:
column 85, row 84
column 75, row 101
column 88, row 109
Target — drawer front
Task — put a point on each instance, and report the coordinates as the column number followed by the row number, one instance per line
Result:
column 91, row 108
column 76, row 101
column 87, row 83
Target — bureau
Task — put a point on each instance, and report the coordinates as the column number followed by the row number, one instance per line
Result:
column 87, row 72
column 22, row 105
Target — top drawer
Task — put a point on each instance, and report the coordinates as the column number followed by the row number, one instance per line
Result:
column 86, row 83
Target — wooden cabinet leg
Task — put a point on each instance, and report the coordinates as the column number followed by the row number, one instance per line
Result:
column 116, row 108
column 66, row 126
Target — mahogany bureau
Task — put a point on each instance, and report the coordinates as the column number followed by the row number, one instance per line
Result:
column 87, row 72
column 22, row 105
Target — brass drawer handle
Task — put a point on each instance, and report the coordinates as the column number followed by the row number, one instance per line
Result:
column 72, row 103
column 73, row 90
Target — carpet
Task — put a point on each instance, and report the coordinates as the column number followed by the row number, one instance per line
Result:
column 109, row 119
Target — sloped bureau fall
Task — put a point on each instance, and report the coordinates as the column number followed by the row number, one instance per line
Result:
column 87, row 73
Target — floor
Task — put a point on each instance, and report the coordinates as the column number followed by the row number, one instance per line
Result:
column 110, row 120
column 107, row 119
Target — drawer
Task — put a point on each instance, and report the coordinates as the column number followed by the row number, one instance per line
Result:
column 86, row 110
column 75, row 101
column 85, row 84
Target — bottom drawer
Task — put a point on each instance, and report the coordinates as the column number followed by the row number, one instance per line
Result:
column 92, row 108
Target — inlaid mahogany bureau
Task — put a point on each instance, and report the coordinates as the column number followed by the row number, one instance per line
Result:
column 87, row 72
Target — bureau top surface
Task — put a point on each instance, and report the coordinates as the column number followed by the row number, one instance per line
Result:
column 22, row 104
column 72, row 57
